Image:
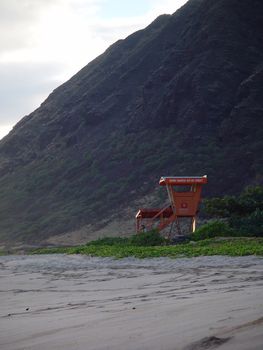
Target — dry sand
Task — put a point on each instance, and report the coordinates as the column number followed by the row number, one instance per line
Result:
column 77, row 302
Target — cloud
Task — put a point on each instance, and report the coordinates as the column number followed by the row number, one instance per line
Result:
column 45, row 42
column 22, row 22
column 15, row 19
column 23, row 87
column 4, row 130
column 165, row 6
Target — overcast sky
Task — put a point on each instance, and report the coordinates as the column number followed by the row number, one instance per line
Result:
column 44, row 42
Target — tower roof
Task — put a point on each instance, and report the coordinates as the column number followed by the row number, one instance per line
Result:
column 182, row 180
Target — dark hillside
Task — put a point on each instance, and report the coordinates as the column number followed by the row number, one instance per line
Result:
column 183, row 96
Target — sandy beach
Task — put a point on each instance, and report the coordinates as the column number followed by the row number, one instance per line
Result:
column 78, row 302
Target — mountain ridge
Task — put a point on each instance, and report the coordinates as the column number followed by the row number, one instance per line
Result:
column 181, row 96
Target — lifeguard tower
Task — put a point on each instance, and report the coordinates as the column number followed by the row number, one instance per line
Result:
column 184, row 197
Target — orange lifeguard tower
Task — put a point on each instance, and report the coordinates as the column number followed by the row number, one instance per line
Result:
column 184, row 196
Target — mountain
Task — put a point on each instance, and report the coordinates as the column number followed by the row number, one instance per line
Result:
column 182, row 96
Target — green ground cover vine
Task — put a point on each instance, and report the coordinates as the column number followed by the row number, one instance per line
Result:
column 208, row 247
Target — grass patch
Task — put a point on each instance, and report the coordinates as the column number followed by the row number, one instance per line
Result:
column 208, row 247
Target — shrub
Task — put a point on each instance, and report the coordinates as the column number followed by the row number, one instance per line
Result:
column 251, row 225
column 110, row 241
column 244, row 213
column 246, row 203
column 215, row 228
column 150, row 238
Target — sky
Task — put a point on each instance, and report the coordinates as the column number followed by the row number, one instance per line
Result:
column 44, row 42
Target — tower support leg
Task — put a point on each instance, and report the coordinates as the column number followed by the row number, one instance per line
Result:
column 138, row 224
column 178, row 226
column 193, row 226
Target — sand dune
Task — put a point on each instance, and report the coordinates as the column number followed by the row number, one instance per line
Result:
column 78, row 302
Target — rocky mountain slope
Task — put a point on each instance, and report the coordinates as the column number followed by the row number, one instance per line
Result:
column 183, row 96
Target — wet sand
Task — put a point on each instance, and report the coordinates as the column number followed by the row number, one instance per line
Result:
column 77, row 302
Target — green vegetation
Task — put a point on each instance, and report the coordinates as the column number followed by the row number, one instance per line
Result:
column 216, row 246
column 214, row 228
column 243, row 215
column 110, row 241
column 237, row 216
column 147, row 239
column 250, row 200
column 150, row 238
